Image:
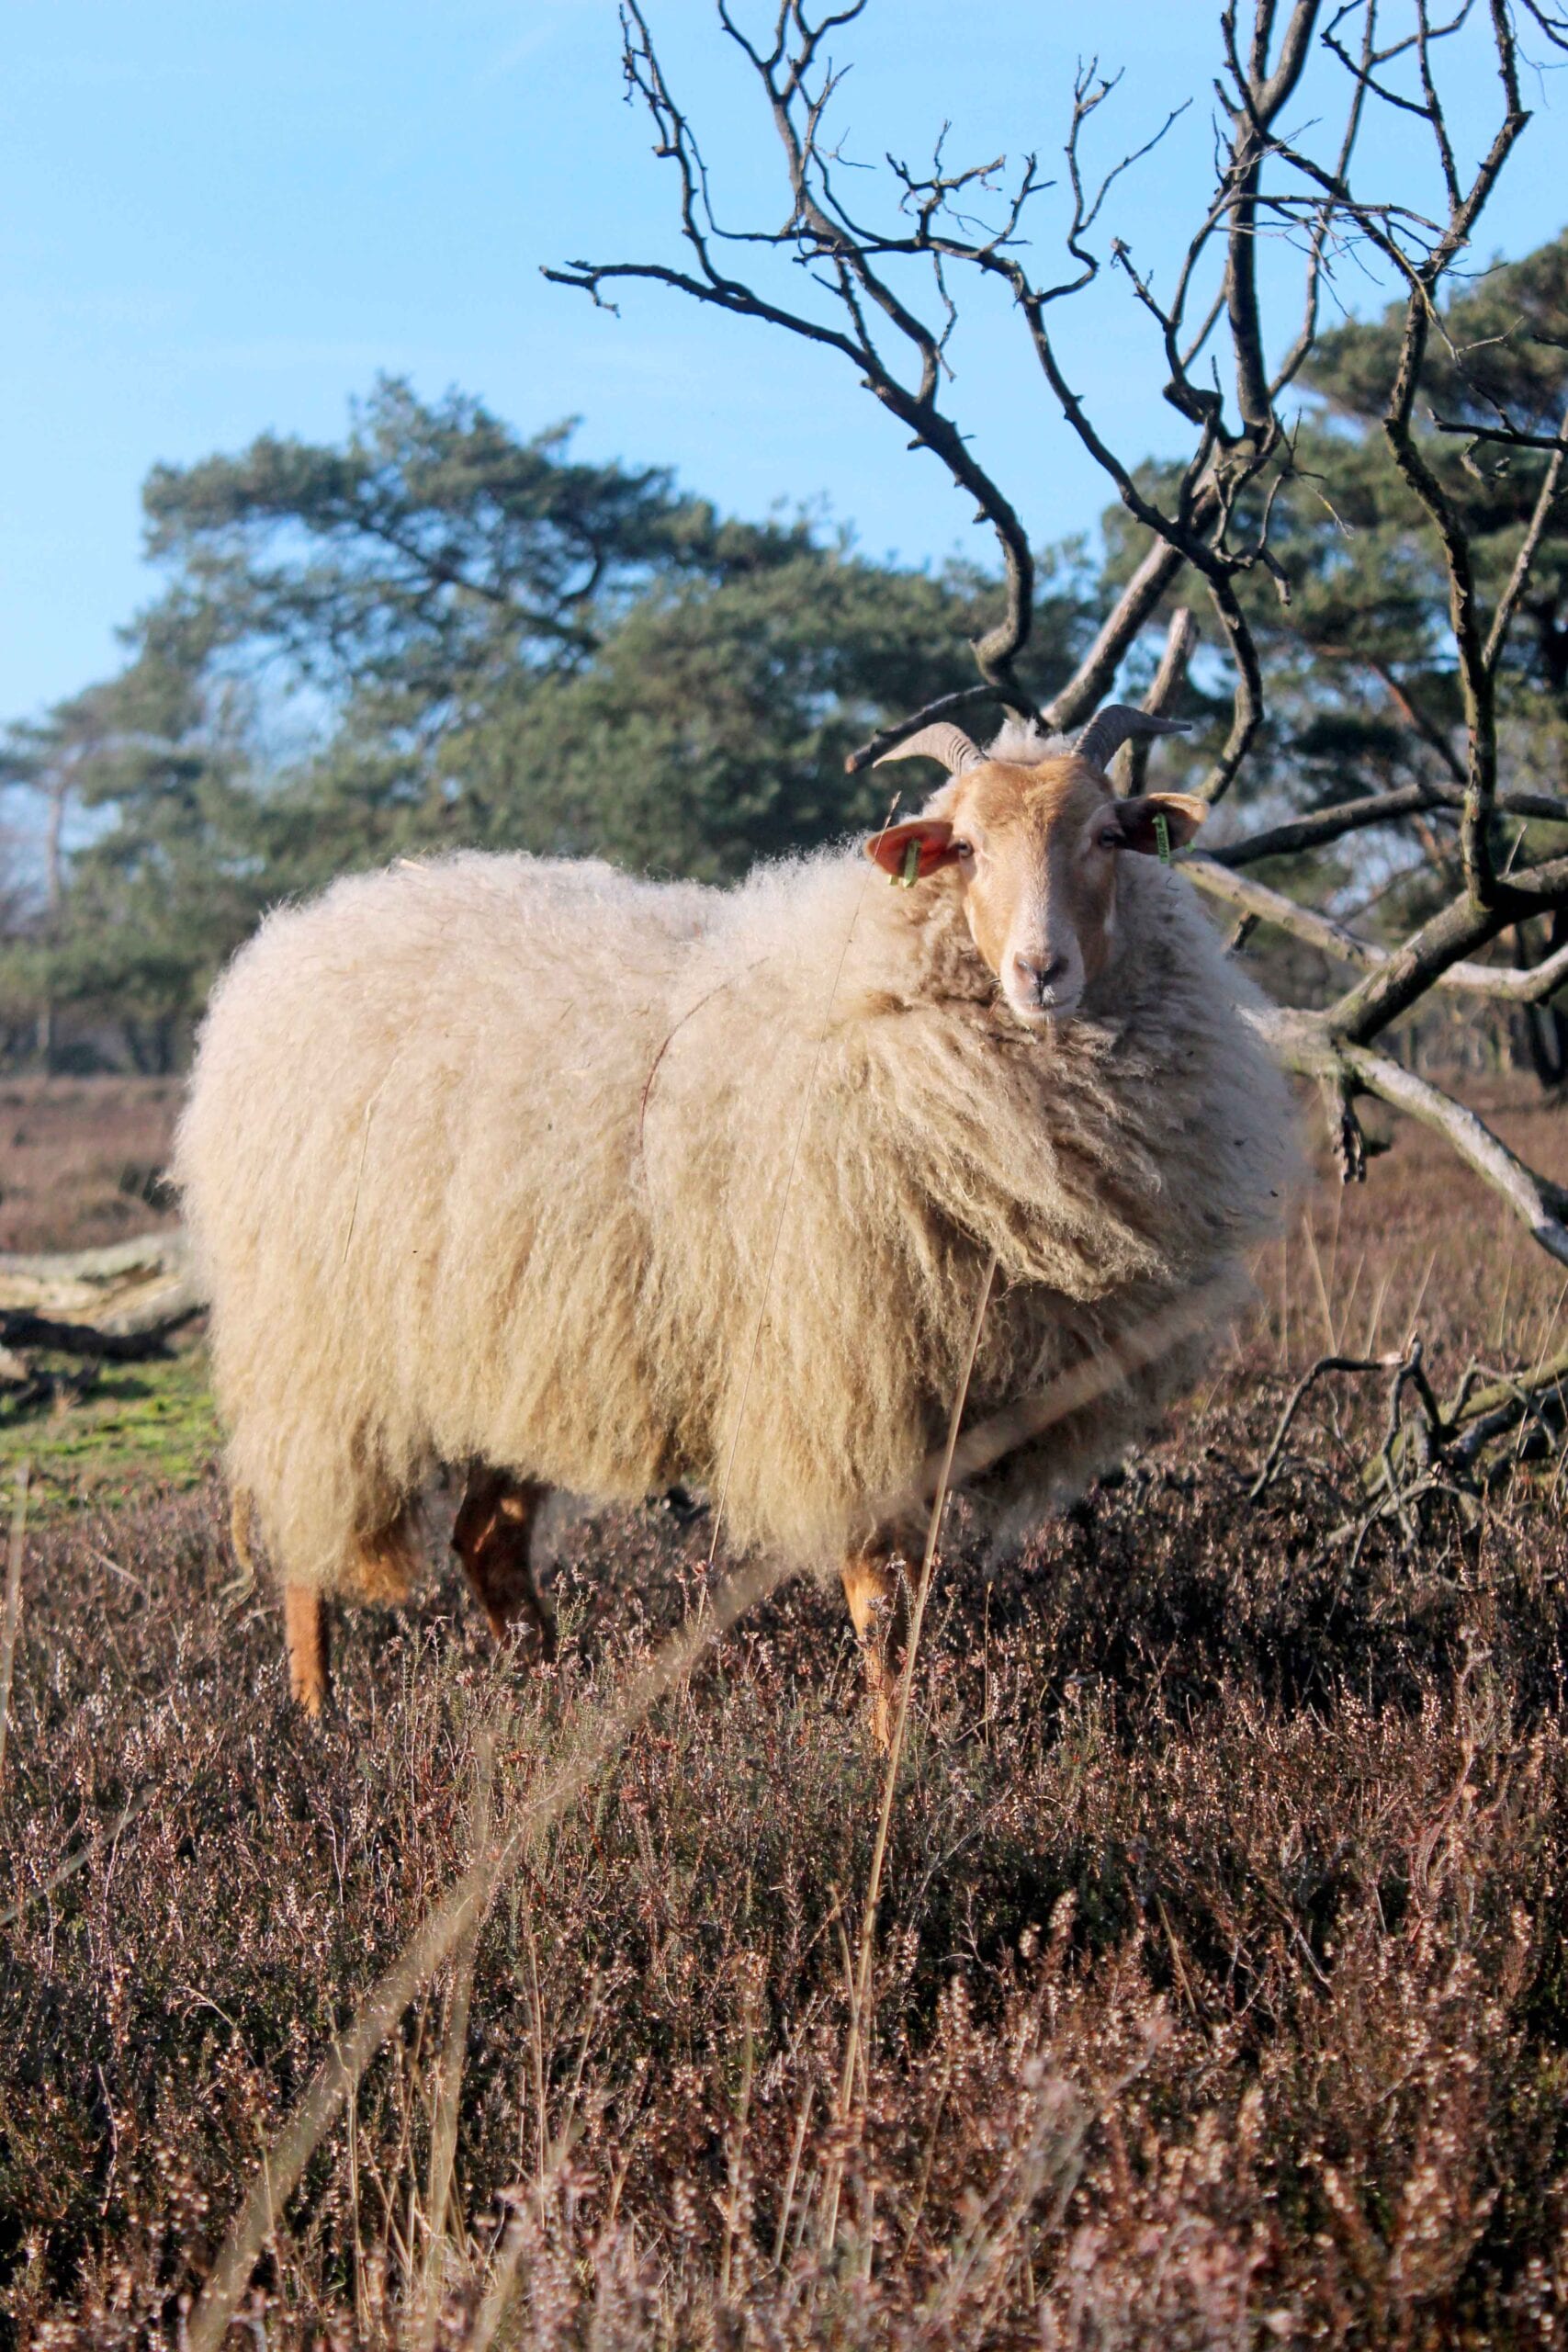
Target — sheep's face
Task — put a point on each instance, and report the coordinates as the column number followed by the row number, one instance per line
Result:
column 1034, row 853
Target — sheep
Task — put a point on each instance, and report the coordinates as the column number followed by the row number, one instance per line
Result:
column 597, row 1183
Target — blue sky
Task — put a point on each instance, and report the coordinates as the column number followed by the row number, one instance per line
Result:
column 221, row 219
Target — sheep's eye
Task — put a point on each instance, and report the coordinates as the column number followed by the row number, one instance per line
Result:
column 1110, row 837
column 962, row 849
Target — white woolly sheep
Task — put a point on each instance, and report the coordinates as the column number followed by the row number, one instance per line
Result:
column 507, row 1162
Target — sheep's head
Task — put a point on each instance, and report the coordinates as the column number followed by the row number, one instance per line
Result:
column 1033, row 849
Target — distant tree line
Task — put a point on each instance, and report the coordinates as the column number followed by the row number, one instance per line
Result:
column 437, row 634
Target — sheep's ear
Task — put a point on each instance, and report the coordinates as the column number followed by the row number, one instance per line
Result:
column 911, row 852
column 1139, row 820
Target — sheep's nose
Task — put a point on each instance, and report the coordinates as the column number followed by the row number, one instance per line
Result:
column 1039, row 973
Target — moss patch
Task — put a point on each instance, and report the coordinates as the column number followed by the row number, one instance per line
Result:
column 142, row 1429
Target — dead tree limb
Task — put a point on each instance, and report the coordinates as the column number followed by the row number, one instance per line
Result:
column 1540, row 1204
column 883, row 293
column 20, row 1329
column 797, row 85
column 1505, row 984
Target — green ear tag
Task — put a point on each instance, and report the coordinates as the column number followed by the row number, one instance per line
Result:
column 1162, row 836
column 911, row 873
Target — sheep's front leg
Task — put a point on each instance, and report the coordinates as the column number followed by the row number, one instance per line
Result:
column 305, row 1626
column 493, row 1536
column 876, row 1585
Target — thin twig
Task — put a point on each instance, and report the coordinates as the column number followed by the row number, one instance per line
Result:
column 108, row 1836
column 1308, row 1380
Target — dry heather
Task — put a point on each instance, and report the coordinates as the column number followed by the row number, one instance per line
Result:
column 81, row 1159
column 1222, row 1992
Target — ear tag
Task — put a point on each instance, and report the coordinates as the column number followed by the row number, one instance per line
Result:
column 911, row 873
column 1162, row 836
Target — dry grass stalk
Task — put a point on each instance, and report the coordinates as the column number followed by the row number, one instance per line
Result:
column 597, row 1740
column 426, row 1952
column 736, row 2162
column 449, row 2073
column 1001, row 1433
column 13, row 1604
column 535, row 2037
column 859, row 2004
column 797, row 2147
column 525, row 2220
column 503, row 2277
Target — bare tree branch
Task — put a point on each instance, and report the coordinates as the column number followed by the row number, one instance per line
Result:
column 1540, row 1204
column 1422, row 277
column 1246, row 714
column 1324, row 826
column 1506, row 984
column 814, row 236
column 1450, row 937
column 1139, row 601
column 1211, row 516
column 1181, row 637
column 1529, row 548
column 1510, row 436
column 1261, row 95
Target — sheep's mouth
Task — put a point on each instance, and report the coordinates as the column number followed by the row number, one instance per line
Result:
column 1038, row 1017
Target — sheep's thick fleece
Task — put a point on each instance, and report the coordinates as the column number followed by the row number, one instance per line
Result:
column 502, row 1158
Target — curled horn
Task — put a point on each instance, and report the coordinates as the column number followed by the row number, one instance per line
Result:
column 948, row 744
column 1116, row 725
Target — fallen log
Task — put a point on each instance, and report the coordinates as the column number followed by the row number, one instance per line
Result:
column 20, row 1328
column 129, row 1291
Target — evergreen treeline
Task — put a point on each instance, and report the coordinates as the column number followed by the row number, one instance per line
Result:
column 437, row 634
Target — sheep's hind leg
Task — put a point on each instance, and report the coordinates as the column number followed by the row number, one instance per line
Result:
column 382, row 1564
column 305, row 1623
column 493, row 1536
column 876, row 1585
column 242, row 1543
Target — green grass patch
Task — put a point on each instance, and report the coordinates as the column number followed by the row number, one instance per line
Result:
column 141, row 1427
